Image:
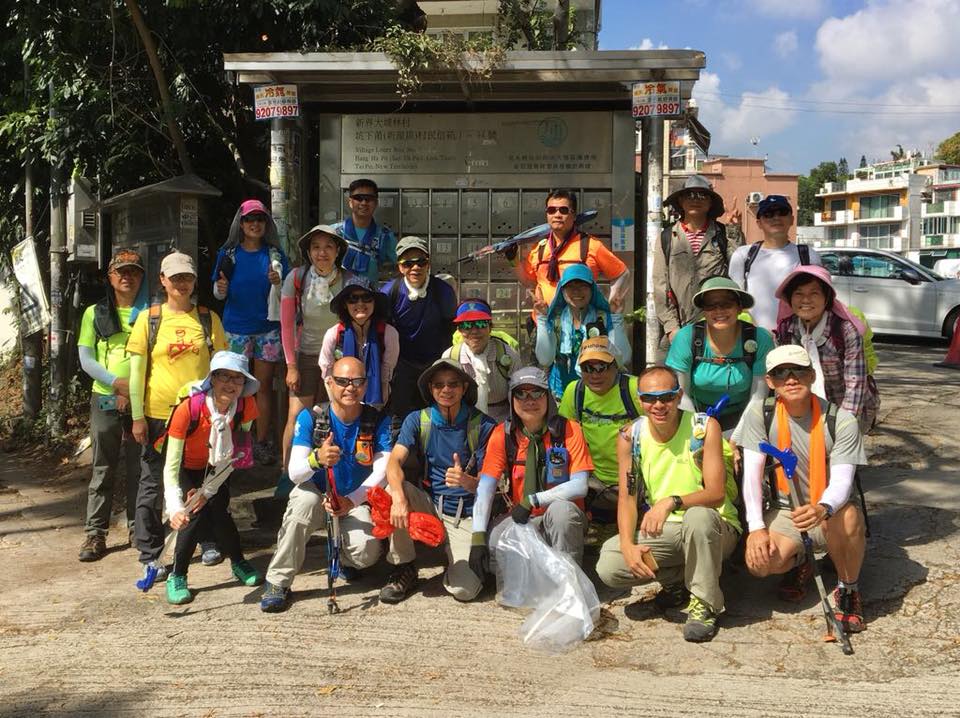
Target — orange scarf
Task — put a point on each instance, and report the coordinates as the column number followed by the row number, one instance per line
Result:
column 817, row 474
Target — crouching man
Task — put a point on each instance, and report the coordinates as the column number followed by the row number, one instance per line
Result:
column 686, row 524
column 354, row 440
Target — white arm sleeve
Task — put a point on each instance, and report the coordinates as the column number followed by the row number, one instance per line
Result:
column 299, row 470
column 172, row 499
column 575, row 488
column 840, row 488
column 216, row 292
column 753, row 462
column 619, row 287
column 686, row 403
column 546, row 345
column 483, row 503
column 377, row 478
column 759, row 389
column 93, row 368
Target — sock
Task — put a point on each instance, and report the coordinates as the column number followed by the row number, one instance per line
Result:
column 847, row 586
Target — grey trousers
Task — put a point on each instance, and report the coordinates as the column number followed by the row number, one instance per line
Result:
column 108, row 442
column 689, row 551
column 304, row 515
column 563, row 526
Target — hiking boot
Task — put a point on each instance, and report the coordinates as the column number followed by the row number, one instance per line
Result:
column 793, row 586
column 264, row 454
column 671, row 597
column 93, row 548
column 274, row 598
column 701, row 622
column 246, row 573
column 349, row 573
column 210, row 555
column 177, row 591
column 848, row 609
column 399, row 584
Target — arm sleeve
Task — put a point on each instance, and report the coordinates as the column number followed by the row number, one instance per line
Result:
column 753, row 463
column 620, row 287
column 377, row 477
column 216, row 275
column 546, row 348
column 299, row 470
column 138, row 368
column 666, row 312
column 686, row 403
column 484, row 502
column 219, row 337
column 288, row 320
column 391, row 353
column 171, row 476
column 326, row 351
column 618, row 338
column 95, row 370
column 840, row 488
column 575, row 488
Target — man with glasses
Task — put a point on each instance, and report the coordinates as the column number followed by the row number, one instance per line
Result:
column 759, row 268
column 695, row 247
column 353, row 439
column 422, row 308
column 371, row 248
column 677, row 522
column 601, row 401
column 449, row 437
column 545, row 461
column 829, row 447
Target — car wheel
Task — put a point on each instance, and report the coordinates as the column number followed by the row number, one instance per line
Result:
column 950, row 323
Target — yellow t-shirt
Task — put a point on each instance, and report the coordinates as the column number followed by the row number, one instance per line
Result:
column 179, row 356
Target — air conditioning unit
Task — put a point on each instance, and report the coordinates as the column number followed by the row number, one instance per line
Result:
column 754, row 197
column 83, row 236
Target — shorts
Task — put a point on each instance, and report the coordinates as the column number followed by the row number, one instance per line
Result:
column 265, row 347
column 311, row 380
column 778, row 520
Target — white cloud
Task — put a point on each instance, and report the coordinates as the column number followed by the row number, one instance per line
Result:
column 731, row 60
column 756, row 114
column 785, row 43
column 789, row 8
column 647, row 44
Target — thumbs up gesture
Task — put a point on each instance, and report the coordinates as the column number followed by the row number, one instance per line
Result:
column 222, row 284
column 457, row 477
column 328, row 453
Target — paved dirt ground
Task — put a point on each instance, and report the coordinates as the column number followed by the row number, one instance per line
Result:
column 78, row 639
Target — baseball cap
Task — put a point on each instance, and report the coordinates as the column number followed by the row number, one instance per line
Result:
column 788, row 354
column 597, row 349
column 253, row 206
column 529, row 376
column 472, row 310
column 177, row 263
column 411, row 242
column 773, row 201
column 125, row 258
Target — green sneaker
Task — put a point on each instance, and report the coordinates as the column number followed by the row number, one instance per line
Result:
column 701, row 622
column 246, row 573
column 177, row 591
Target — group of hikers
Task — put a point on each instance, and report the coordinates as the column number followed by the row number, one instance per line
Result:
column 405, row 389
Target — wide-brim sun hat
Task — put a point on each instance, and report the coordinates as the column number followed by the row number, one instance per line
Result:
column 815, row 271
column 725, row 284
column 423, row 383
column 304, row 242
column 231, row 361
column 698, row 183
column 359, row 281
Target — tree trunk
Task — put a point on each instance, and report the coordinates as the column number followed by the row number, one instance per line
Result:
column 561, row 25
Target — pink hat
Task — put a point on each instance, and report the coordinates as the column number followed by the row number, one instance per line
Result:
column 251, row 206
column 823, row 274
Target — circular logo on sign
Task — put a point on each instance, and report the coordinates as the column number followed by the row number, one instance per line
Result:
column 552, row 131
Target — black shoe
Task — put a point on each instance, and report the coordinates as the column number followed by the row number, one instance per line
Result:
column 400, row 583
column 349, row 573
column 93, row 548
column 673, row 596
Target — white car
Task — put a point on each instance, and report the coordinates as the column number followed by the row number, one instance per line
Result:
column 896, row 295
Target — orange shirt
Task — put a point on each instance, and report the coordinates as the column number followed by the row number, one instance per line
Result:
column 195, row 448
column 602, row 262
column 495, row 459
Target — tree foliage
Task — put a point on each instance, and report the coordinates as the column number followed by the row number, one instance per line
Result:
column 537, row 24
column 949, row 150
column 808, row 186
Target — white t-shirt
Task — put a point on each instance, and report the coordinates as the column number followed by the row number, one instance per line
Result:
column 770, row 267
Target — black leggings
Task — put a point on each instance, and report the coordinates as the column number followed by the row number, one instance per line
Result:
column 214, row 517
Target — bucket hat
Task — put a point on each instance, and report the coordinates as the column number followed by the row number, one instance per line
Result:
column 232, row 361
column 304, row 242
column 697, row 183
column 338, row 305
column 725, row 284
column 469, row 397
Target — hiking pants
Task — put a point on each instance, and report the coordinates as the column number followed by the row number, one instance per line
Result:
column 689, row 552
column 404, row 390
column 109, row 438
column 563, row 526
column 214, row 516
column 459, row 581
column 304, row 515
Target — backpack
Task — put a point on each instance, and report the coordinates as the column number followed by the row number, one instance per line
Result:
column 584, row 248
column 155, row 316
column 194, row 398
column 802, row 249
column 370, row 418
column 556, row 425
column 501, row 347
column 381, row 330
column 769, row 406
column 748, row 333
column 630, row 410
column 474, row 425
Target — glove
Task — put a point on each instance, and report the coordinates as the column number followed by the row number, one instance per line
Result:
column 479, row 554
column 510, row 253
column 521, row 512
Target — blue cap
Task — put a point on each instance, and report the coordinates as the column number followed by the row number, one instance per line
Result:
column 773, row 201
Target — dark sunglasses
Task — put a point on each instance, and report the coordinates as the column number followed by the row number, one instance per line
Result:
column 562, row 210
column 358, row 298
column 783, row 372
column 254, row 218
column 419, row 262
column 441, row 385
column 363, row 197
column 524, row 394
column 727, row 304
column 346, row 381
column 782, row 212
column 652, row 397
column 475, row 324
column 595, row 367
column 696, row 195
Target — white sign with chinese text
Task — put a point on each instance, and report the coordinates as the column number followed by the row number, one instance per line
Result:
column 656, row 99
column 34, row 309
column 275, row 101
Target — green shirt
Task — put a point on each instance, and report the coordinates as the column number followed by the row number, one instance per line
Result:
column 111, row 353
column 669, row 469
column 603, row 415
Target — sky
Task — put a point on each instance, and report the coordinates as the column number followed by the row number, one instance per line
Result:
column 812, row 80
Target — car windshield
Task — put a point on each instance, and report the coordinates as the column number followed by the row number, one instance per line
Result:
column 923, row 270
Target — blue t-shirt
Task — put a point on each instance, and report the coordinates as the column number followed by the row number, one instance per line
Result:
column 386, row 248
column 426, row 325
column 245, row 311
column 711, row 381
column 445, row 440
column 347, row 473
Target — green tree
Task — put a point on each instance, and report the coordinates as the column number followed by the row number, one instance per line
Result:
column 843, row 171
column 863, row 162
column 808, row 186
column 949, row 150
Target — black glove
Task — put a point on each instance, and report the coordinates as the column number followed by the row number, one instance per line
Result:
column 479, row 554
column 511, row 252
column 521, row 512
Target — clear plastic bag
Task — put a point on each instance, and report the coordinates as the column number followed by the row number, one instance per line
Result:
column 532, row 575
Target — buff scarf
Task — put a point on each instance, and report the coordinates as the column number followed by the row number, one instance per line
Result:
column 553, row 264
column 818, row 451
column 535, row 463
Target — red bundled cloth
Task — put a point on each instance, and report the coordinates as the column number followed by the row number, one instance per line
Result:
column 425, row 528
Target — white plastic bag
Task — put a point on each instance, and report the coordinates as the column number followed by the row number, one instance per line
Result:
column 532, row 575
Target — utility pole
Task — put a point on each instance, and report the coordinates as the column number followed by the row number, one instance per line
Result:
column 651, row 190
column 58, row 261
column 31, row 346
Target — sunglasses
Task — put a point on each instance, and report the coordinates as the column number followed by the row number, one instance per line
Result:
column 347, row 381
column 358, row 298
column 782, row 212
column 552, row 209
column 696, row 195
column 595, row 367
column 239, row 379
column 475, row 324
column 419, row 262
column 441, row 385
column 784, row 372
column 363, row 197
column 255, row 218
column 666, row 397
column 728, row 304
column 524, row 394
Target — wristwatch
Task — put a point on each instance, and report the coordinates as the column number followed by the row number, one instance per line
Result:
column 677, row 503
column 828, row 508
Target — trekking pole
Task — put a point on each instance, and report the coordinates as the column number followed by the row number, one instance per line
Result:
column 333, row 543
column 788, row 460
